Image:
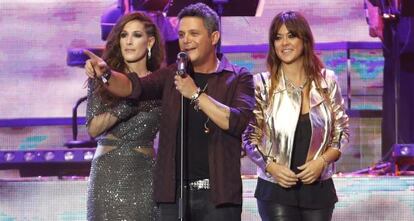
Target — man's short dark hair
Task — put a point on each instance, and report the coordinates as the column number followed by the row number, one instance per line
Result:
column 209, row 16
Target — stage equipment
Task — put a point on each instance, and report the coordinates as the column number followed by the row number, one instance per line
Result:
column 229, row 7
column 381, row 168
column 78, row 143
column 394, row 11
column 48, row 162
column 403, row 156
column 182, row 70
column 76, row 58
column 112, row 14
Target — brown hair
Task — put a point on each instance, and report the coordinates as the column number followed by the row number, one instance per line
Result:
column 112, row 54
column 299, row 27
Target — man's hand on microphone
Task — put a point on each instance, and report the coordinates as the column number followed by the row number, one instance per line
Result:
column 185, row 86
column 95, row 66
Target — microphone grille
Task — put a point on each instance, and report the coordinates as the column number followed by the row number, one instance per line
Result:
column 182, row 55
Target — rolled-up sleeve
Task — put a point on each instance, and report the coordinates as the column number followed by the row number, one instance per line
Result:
column 340, row 129
column 242, row 104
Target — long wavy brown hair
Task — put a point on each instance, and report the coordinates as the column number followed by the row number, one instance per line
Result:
column 299, row 27
column 112, row 54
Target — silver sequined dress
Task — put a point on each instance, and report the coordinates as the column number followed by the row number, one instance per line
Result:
column 120, row 182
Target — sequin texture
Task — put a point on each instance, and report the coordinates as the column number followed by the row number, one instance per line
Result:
column 120, row 185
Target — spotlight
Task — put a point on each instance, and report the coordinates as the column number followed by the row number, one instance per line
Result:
column 29, row 156
column 48, row 162
column 9, row 157
column 405, row 150
column 403, row 155
column 69, row 156
column 49, row 156
column 88, row 155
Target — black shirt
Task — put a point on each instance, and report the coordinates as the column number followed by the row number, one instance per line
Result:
column 196, row 153
column 320, row 194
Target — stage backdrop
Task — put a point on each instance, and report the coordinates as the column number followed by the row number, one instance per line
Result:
column 35, row 81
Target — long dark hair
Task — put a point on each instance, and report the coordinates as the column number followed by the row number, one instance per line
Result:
column 298, row 26
column 112, row 54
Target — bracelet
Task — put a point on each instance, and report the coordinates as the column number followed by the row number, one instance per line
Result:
column 269, row 160
column 196, row 105
column 195, row 100
column 195, row 96
column 106, row 76
column 325, row 162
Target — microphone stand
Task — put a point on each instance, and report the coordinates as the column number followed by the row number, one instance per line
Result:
column 181, row 202
column 182, row 59
column 396, row 73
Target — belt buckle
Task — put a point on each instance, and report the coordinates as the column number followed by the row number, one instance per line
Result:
column 200, row 184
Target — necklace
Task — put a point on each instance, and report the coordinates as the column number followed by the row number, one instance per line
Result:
column 300, row 87
column 145, row 74
column 206, row 129
column 292, row 85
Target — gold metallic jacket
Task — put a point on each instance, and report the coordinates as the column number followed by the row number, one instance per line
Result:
column 270, row 135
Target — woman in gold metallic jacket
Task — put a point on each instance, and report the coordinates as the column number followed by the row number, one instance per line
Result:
column 299, row 125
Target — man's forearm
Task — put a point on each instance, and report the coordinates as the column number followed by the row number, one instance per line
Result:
column 119, row 84
column 216, row 111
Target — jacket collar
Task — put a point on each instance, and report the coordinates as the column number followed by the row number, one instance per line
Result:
column 315, row 94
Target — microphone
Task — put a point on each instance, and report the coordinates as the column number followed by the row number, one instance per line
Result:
column 182, row 59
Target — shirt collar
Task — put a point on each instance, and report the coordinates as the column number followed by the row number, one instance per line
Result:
column 225, row 64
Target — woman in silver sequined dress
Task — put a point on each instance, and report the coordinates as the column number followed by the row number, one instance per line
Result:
column 120, row 185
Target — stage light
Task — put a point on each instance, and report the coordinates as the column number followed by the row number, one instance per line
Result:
column 88, row 155
column 48, row 162
column 9, row 157
column 403, row 156
column 49, row 156
column 405, row 150
column 69, row 155
column 29, row 156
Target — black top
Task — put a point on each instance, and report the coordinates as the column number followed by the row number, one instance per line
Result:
column 196, row 166
column 320, row 194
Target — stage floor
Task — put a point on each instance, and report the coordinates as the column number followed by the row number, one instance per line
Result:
column 360, row 199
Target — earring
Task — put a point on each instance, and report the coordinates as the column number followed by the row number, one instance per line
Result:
column 149, row 53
